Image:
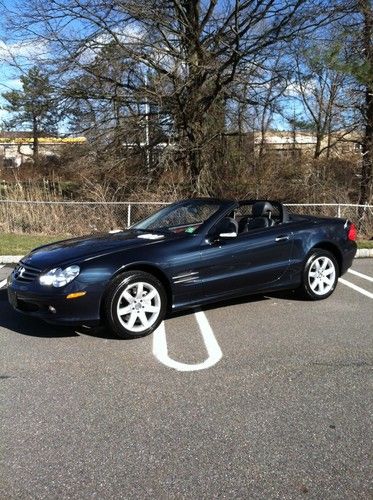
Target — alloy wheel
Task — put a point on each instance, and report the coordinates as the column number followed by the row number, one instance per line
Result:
column 138, row 306
column 322, row 275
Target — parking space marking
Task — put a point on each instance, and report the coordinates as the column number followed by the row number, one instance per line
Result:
column 160, row 350
column 3, row 282
column 360, row 275
column 357, row 288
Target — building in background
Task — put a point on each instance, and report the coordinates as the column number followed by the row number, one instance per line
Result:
column 16, row 148
column 296, row 144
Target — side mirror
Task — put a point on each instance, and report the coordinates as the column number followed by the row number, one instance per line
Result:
column 227, row 228
column 228, row 235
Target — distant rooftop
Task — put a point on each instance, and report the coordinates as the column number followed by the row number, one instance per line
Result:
column 26, row 137
column 20, row 134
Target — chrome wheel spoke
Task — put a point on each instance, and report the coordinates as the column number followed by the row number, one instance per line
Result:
column 144, row 320
column 324, row 264
column 314, row 284
column 150, row 308
column 127, row 296
column 132, row 319
column 150, row 295
column 328, row 271
column 140, row 290
column 124, row 310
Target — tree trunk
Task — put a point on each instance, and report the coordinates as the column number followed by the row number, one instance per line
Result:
column 318, row 144
column 365, row 191
column 35, row 141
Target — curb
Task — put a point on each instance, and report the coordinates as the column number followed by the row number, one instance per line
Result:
column 361, row 253
column 10, row 259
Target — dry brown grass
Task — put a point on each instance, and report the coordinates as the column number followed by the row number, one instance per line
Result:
column 37, row 203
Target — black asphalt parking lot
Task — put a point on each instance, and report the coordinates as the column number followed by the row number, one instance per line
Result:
column 285, row 412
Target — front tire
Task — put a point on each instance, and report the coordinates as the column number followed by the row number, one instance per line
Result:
column 320, row 275
column 135, row 304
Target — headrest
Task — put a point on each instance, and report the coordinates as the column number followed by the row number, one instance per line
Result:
column 261, row 209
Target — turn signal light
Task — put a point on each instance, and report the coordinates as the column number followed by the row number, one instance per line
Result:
column 352, row 233
column 75, row 295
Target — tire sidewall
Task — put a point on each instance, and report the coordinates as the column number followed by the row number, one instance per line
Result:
column 114, row 293
column 308, row 292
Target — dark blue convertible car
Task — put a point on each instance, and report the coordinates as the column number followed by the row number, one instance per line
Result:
column 188, row 254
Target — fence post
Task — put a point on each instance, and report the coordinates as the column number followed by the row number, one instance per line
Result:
column 339, row 211
column 129, row 215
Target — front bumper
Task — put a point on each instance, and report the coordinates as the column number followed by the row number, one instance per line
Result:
column 55, row 307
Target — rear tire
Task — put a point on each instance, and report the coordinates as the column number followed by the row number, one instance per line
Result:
column 320, row 275
column 135, row 304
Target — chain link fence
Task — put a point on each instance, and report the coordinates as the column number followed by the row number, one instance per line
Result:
column 78, row 218
column 360, row 215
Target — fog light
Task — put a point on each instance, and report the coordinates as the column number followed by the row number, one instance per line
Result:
column 52, row 309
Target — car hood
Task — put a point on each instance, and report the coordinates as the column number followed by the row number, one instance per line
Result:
column 85, row 247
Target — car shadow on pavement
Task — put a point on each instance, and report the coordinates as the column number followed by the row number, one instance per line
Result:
column 247, row 299
column 27, row 325
column 33, row 327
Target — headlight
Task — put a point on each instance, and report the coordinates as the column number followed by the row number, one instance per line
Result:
column 59, row 277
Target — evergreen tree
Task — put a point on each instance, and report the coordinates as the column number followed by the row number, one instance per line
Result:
column 33, row 107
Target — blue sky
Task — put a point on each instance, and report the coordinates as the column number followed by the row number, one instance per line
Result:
column 9, row 75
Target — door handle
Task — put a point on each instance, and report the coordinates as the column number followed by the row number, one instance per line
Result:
column 282, row 238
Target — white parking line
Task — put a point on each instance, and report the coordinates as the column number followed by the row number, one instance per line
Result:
column 160, row 349
column 360, row 275
column 357, row 288
column 3, row 282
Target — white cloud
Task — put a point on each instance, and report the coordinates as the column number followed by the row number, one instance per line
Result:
column 12, row 84
column 11, row 52
column 295, row 90
column 4, row 115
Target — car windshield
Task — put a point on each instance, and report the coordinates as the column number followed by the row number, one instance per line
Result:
column 180, row 217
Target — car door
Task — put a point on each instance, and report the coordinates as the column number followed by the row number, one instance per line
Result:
column 250, row 262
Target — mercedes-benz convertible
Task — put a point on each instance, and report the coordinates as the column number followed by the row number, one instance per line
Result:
column 186, row 255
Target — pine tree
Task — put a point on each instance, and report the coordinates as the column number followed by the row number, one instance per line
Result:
column 33, row 107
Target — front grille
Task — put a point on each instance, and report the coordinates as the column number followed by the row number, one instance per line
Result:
column 24, row 273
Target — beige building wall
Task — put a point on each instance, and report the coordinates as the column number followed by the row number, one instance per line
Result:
column 286, row 143
column 14, row 152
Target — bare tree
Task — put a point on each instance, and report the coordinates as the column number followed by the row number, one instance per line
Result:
column 320, row 89
column 191, row 51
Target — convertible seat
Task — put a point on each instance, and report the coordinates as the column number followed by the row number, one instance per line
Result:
column 242, row 224
column 262, row 211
